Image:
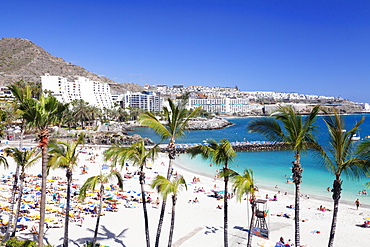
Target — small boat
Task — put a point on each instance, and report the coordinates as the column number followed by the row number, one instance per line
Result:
column 355, row 137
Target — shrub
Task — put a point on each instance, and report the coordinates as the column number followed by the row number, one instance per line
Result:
column 14, row 242
column 89, row 244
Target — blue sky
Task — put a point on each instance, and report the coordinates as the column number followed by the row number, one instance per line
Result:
column 309, row 47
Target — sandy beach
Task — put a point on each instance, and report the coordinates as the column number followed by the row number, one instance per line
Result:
column 196, row 224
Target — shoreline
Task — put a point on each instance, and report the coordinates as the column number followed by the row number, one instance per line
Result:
column 272, row 190
column 198, row 224
column 209, row 176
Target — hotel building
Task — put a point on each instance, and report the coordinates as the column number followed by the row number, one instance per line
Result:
column 145, row 100
column 95, row 93
column 221, row 105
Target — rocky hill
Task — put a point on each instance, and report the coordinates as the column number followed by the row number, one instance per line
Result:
column 22, row 59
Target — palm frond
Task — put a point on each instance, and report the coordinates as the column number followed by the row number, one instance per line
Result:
column 136, row 153
column 89, row 184
column 268, row 127
column 166, row 187
column 342, row 157
column 148, row 119
column 24, row 158
column 244, row 184
column 219, row 153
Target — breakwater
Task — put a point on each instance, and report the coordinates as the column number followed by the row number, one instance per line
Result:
column 207, row 124
column 237, row 146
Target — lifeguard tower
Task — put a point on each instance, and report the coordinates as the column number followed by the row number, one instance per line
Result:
column 260, row 228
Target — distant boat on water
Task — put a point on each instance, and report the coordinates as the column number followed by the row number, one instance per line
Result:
column 355, row 137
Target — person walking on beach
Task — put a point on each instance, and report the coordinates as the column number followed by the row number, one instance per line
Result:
column 357, row 203
column 81, row 221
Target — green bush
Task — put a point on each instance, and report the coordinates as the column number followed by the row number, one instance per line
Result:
column 89, row 244
column 14, row 242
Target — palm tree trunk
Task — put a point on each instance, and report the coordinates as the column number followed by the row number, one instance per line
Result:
column 160, row 223
column 171, row 156
column 226, row 180
column 251, row 225
column 21, row 135
column 337, row 187
column 44, row 139
column 66, row 224
column 11, row 216
column 297, row 178
column 10, row 221
column 174, row 199
column 22, row 176
column 146, row 220
column 99, row 213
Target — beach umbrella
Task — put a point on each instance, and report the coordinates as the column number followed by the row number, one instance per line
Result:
column 27, row 189
column 26, row 206
column 131, row 192
column 108, row 188
column 63, row 205
column 115, row 197
column 145, row 194
column 27, row 198
column 49, row 219
column 109, row 194
column 266, row 243
column 23, row 219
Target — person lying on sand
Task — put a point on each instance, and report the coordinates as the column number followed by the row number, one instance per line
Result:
column 323, row 209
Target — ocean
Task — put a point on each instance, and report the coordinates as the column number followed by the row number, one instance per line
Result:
column 273, row 168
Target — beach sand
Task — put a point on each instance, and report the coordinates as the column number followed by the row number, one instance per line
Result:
column 200, row 224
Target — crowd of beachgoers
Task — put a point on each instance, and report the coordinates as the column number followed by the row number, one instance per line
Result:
column 199, row 214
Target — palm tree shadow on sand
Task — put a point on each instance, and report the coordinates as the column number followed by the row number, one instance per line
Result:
column 104, row 234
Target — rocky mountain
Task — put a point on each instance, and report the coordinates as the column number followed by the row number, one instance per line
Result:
column 22, row 59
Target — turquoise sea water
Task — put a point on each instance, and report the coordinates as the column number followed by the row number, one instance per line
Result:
column 274, row 167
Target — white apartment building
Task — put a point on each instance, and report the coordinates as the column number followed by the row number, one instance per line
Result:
column 145, row 100
column 221, row 105
column 95, row 93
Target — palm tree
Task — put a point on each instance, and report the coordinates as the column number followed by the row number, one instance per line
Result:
column 166, row 187
column 24, row 159
column 22, row 94
column 94, row 114
column 177, row 118
column 298, row 133
column 41, row 114
column 80, row 111
column 342, row 156
column 139, row 156
column 244, row 184
column 221, row 154
column 64, row 155
column 91, row 183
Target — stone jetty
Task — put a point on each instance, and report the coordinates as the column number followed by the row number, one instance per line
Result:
column 207, row 124
column 237, row 146
column 193, row 124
